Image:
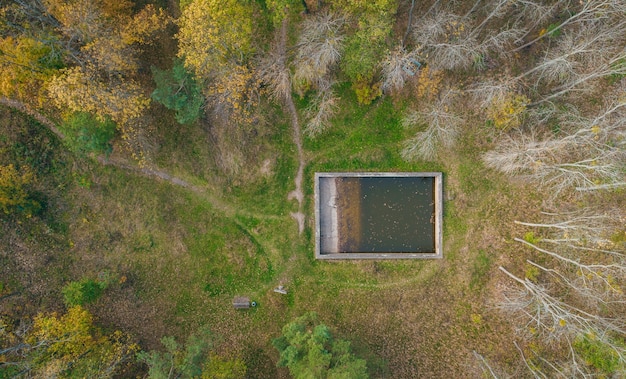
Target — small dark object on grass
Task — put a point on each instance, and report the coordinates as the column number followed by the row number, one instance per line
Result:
column 241, row 303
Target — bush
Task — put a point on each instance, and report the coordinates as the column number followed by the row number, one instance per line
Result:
column 361, row 58
column 364, row 54
column 598, row 355
column 530, row 237
column 194, row 359
column 506, row 113
column 14, row 196
column 308, row 350
column 83, row 292
column 85, row 134
column 177, row 90
column 281, row 9
column 366, row 92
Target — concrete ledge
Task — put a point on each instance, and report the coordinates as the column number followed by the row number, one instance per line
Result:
column 327, row 238
column 329, row 231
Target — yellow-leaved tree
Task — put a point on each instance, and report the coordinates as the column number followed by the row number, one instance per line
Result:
column 105, row 38
column 79, row 89
column 214, row 35
column 108, row 98
column 83, row 55
column 13, row 190
column 25, row 63
column 215, row 41
column 63, row 346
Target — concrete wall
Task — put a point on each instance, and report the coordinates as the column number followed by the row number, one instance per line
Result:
column 326, row 216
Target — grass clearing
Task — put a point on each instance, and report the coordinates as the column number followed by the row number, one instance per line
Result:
column 182, row 255
column 385, row 308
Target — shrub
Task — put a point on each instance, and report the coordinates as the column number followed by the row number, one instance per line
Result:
column 85, row 134
column 531, row 273
column 177, row 90
column 506, row 112
column 14, row 195
column 361, row 58
column 82, row 292
column 429, row 83
column 530, row 237
column 598, row 355
column 281, row 9
column 366, row 92
column 619, row 237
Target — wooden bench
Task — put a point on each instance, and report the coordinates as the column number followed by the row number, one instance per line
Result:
column 241, row 302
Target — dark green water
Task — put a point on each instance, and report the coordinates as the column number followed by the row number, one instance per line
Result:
column 397, row 215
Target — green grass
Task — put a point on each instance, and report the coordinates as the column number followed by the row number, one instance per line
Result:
column 480, row 270
column 37, row 242
column 361, row 138
column 250, row 251
column 599, row 355
column 187, row 253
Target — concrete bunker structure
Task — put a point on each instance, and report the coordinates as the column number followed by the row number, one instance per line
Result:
column 378, row 215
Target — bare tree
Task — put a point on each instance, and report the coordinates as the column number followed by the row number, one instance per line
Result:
column 591, row 51
column 583, row 13
column 319, row 48
column 532, row 14
column 451, row 41
column 485, row 366
column 573, row 366
column 592, row 48
column 592, row 228
column 320, row 111
column 399, row 65
column 273, row 72
column 597, row 282
column 554, row 320
column 546, row 163
column 488, row 91
column 609, row 65
column 590, row 153
column 574, row 52
column 442, row 128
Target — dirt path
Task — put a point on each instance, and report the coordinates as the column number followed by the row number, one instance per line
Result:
column 15, row 104
column 226, row 208
column 149, row 171
column 297, row 193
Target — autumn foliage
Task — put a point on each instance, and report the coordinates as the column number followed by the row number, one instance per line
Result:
column 14, row 186
column 66, row 345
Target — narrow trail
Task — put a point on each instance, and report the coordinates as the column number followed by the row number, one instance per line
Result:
column 149, row 171
column 18, row 105
column 297, row 193
column 146, row 171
